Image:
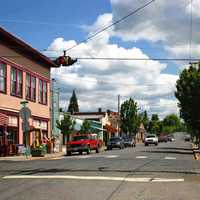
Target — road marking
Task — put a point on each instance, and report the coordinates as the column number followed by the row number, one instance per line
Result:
column 167, row 180
column 103, row 178
column 141, row 157
column 84, row 157
column 170, row 158
column 111, row 156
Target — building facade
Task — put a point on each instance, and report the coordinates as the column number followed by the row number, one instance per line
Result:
column 24, row 76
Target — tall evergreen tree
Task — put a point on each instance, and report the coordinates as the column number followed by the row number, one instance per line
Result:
column 154, row 124
column 73, row 104
column 129, row 117
column 144, row 119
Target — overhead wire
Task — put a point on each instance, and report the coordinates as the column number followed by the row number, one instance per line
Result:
column 119, row 59
column 191, row 30
column 112, row 24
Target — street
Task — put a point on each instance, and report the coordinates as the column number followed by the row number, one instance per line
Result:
column 166, row 171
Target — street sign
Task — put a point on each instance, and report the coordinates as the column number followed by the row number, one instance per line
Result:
column 25, row 126
column 25, row 113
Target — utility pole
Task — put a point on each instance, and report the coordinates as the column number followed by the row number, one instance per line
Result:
column 119, row 104
column 118, row 120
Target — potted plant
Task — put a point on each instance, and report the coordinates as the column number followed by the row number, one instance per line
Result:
column 39, row 151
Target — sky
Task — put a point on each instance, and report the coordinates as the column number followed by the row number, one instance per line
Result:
column 163, row 29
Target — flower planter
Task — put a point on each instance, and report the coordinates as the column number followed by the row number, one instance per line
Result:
column 37, row 152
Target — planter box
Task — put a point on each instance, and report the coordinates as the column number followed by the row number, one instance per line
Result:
column 37, row 153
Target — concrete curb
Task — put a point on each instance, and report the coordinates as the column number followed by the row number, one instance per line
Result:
column 29, row 158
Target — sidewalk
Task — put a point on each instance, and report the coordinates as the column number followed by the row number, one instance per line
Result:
column 24, row 158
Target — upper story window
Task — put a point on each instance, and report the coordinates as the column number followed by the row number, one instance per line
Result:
column 16, row 82
column 42, row 92
column 30, row 87
column 2, row 78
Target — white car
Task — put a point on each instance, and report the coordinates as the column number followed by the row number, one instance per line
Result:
column 151, row 139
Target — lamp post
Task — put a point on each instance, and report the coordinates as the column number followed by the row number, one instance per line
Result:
column 25, row 114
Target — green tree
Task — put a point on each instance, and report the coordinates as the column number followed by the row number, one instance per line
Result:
column 66, row 125
column 154, row 125
column 85, row 127
column 171, row 123
column 188, row 95
column 73, row 103
column 144, row 119
column 129, row 117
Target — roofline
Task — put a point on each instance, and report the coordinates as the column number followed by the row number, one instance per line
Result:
column 89, row 113
column 27, row 48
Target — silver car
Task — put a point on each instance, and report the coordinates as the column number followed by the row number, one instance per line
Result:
column 151, row 139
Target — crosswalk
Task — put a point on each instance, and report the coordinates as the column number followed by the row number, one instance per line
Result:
column 112, row 156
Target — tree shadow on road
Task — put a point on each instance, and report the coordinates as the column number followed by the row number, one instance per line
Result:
column 176, row 148
column 169, row 151
column 43, row 171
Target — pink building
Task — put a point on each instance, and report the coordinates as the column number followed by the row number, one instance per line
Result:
column 24, row 76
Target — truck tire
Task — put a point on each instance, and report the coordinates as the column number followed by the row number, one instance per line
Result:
column 97, row 149
column 69, row 153
column 88, row 150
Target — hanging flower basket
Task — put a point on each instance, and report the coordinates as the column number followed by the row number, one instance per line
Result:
column 39, row 151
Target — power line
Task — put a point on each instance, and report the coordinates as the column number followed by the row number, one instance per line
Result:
column 119, row 59
column 114, row 23
column 86, row 79
column 191, row 27
column 38, row 23
column 138, row 59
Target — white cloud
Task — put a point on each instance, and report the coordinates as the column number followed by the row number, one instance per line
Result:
column 98, row 82
column 162, row 21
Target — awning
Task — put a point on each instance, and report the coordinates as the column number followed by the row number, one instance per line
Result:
column 3, row 119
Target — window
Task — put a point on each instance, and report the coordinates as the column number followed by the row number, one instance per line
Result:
column 16, row 82
column 2, row 77
column 30, row 87
column 42, row 92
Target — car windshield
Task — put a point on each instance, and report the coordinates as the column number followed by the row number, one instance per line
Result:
column 151, row 136
column 81, row 137
column 114, row 139
column 127, row 139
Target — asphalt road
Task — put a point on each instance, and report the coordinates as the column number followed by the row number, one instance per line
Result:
column 167, row 171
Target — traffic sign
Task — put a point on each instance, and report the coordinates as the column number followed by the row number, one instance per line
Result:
column 25, row 113
column 25, row 126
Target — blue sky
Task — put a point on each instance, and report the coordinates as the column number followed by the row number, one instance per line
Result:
column 161, row 30
column 39, row 22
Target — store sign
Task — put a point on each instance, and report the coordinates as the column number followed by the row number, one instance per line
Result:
column 13, row 121
column 40, row 124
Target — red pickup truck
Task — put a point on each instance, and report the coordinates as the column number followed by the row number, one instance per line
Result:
column 84, row 143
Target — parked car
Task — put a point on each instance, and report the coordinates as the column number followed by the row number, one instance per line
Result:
column 170, row 138
column 162, row 138
column 129, row 142
column 84, row 143
column 187, row 138
column 115, row 142
column 151, row 139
